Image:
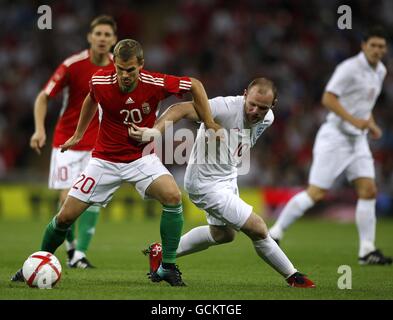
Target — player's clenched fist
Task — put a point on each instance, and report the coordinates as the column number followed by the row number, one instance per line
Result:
column 143, row 134
column 375, row 131
column 37, row 141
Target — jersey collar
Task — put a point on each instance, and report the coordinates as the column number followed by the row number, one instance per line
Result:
column 363, row 60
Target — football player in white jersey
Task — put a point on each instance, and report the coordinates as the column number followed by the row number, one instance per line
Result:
column 212, row 183
column 341, row 144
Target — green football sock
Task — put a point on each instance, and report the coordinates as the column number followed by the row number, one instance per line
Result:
column 170, row 229
column 70, row 237
column 54, row 236
column 86, row 228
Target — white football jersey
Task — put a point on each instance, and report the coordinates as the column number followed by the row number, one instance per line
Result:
column 357, row 86
column 211, row 161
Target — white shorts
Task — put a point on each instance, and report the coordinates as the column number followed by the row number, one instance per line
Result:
column 223, row 207
column 335, row 153
column 66, row 167
column 99, row 181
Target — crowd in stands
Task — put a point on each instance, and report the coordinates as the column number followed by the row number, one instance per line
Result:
column 225, row 44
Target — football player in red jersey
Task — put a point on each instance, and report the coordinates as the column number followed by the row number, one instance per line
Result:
column 72, row 78
column 127, row 95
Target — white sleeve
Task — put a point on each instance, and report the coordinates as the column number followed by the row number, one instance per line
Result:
column 340, row 80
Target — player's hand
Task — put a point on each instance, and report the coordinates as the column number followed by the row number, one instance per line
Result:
column 213, row 129
column 37, row 141
column 213, row 125
column 70, row 143
column 375, row 131
column 143, row 134
column 361, row 123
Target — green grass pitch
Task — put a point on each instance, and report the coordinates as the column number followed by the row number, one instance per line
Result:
column 230, row 271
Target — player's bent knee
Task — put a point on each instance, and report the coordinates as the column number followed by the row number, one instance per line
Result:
column 226, row 238
column 171, row 197
column 316, row 193
column 255, row 228
column 369, row 192
column 260, row 233
column 64, row 221
column 365, row 188
column 222, row 235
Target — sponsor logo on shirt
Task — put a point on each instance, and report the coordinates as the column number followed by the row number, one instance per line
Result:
column 129, row 100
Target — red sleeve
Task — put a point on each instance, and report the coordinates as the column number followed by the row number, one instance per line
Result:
column 57, row 81
column 177, row 85
column 91, row 92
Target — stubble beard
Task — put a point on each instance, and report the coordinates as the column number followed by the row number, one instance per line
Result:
column 127, row 89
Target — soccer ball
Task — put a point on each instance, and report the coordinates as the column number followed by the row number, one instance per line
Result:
column 41, row 269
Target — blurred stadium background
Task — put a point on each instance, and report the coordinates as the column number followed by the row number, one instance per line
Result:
column 223, row 43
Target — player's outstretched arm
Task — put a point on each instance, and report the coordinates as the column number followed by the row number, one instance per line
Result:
column 331, row 102
column 201, row 104
column 89, row 109
column 176, row 112
column 38, row 139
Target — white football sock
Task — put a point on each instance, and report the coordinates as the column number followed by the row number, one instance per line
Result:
column 269, row 251
column 294, row 209
column 70, row 245
column 366, row 223
column 77, row 256
column 195, row 240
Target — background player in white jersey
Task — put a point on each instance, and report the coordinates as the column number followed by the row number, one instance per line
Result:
column 341, row 144
column 72, row 78
column 212, row 184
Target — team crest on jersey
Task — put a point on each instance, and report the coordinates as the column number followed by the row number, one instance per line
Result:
column 259, row 131
column 146, row 108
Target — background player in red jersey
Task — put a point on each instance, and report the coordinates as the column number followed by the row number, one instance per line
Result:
column 72, row 77
column 128, row 95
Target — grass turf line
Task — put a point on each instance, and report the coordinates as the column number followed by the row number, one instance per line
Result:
column 230, row 271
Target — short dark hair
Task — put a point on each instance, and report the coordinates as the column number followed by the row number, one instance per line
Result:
column 103, row 19
column 128, row 48
column 265, row 84
column 374, row 31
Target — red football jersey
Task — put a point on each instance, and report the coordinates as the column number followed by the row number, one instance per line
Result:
column 120, row 109
column 73, row 77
